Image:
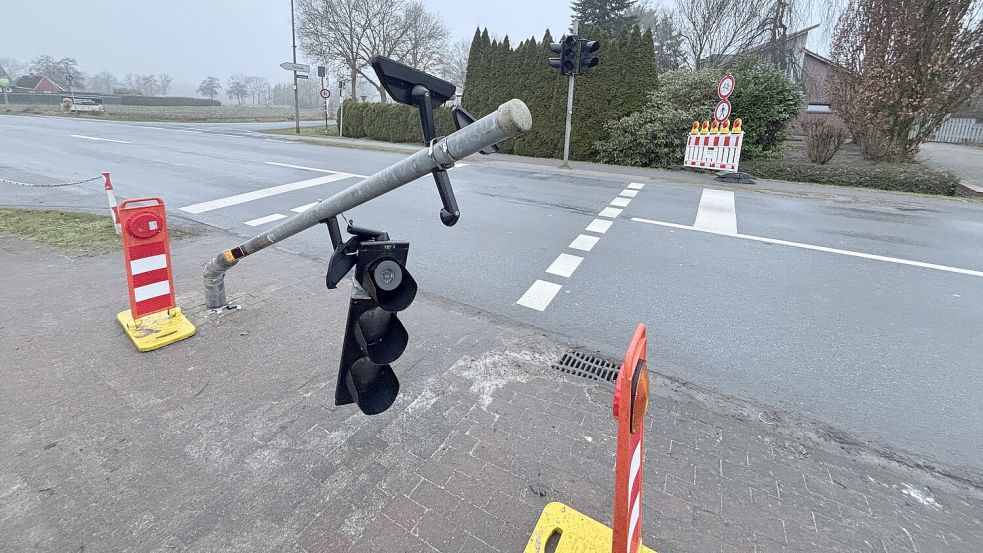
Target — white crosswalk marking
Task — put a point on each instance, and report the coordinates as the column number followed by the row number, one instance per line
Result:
column 264, row 220
column 584, row 242
column 564, row 265
column 599, row 226
column 717, row 212
column 264, row 193
column 610, row 212
column 539, row 295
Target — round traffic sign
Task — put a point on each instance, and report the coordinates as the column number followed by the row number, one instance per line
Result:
column 722, row 111
column 726, row 87
column 325, row 93
column 69, row 77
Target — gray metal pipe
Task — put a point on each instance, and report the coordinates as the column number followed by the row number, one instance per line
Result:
column 510, row 119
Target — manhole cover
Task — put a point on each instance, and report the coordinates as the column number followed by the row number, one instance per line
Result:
column 587, row 365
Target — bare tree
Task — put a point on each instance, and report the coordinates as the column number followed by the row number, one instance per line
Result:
column 104, row 82
column 905, row 66
column 210, row 87
column 454, row 62
column 350, row 32
column 717, row 30
column 165, row 83
column 236, row 88
column 13, row 67
column 426, row 38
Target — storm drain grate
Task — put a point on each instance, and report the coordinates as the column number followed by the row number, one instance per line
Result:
column 586, row 365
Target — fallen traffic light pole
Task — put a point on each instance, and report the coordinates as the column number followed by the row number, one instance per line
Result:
column 510, row 119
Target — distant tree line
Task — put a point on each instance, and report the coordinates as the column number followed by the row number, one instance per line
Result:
column 103, row 82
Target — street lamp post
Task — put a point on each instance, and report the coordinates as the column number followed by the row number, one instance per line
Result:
column 293, row 39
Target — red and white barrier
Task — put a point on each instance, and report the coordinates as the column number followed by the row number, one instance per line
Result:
column 113, row 205
column 714, row 151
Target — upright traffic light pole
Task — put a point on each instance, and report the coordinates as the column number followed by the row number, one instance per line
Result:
column 566, row 132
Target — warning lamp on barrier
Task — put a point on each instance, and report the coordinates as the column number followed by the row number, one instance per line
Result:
column 374, row 335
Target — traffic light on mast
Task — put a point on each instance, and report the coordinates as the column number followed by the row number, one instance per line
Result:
column 374, row 335
column 567, row 48
column 588, row 58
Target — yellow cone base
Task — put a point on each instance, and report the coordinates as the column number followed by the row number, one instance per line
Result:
column 578, row 532
column 157, row 330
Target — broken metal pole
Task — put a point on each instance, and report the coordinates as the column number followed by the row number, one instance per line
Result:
column 510, row 119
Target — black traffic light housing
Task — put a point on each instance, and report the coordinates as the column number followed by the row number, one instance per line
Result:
column 374, row 335
column 588, row 58
column 567, row 48
column 425, row 92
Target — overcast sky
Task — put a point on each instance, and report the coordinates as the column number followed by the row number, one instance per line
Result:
column 191, row 39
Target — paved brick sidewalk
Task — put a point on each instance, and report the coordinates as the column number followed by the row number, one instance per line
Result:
column 230, row 440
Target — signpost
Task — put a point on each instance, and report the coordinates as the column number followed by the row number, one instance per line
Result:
column 4, row 85
column 69, row 78
column 341, row 107
column 296, row 67
column 325, row 93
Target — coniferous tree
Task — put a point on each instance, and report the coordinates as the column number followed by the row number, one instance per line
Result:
column 611, row 16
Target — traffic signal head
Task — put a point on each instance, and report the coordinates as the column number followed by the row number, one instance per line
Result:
column 374, row 335
column 588, row 58
column 567, row 48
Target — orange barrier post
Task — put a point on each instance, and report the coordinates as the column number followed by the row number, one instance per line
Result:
column 631, row 398
column 562, row 529
column 153, row 320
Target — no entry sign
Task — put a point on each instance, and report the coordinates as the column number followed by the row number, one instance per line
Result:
column 726, row 87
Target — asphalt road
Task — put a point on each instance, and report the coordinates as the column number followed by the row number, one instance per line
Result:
column 860, row 309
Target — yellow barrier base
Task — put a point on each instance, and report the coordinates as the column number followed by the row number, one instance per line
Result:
column 157, row 330
column 578, row 533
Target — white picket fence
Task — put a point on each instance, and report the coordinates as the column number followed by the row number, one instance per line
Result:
column 959, row 130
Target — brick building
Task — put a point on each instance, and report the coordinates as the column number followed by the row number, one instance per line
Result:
column 37, row 84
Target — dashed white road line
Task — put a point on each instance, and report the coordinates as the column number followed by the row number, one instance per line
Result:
column 628, row 193
column 305, row 207
column 584, row 242
column 636, row 186
column 610, row 212
column 599, row 226
column 99, row 139
column 264, row 220
column 539, row 295
column 814, row 247
column 621, row 202
column 717, row 212
column 263, row 193
column 564, row 265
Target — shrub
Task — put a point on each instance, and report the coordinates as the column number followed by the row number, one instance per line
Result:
column 823, row 138
column 906, row 177
column 655, row 136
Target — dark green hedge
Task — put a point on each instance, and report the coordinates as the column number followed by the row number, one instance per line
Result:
column 167, row 101
column 390, row 122
column 908, row 177
column 619, row 85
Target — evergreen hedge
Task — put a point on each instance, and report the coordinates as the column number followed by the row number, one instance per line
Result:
column 618, row 86
column 391, row 122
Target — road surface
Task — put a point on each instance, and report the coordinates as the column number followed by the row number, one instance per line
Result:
column 859, row 309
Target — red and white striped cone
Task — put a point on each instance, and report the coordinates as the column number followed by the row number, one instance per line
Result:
column 113, row 205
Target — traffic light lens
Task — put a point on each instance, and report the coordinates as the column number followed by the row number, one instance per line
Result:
column 381, row 335
column 387, row 275
column 373, row 387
